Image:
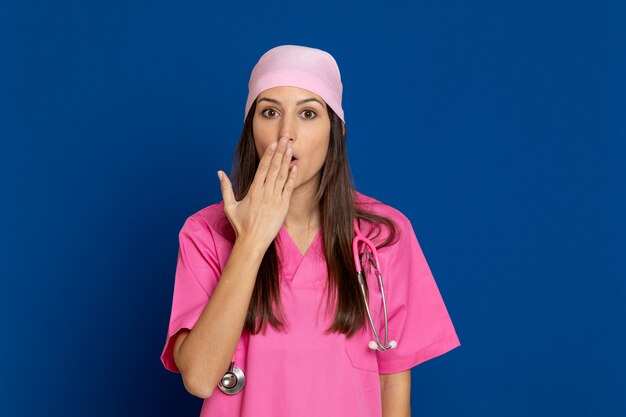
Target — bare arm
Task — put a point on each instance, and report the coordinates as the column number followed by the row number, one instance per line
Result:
column 396, row 394
column 204, row 354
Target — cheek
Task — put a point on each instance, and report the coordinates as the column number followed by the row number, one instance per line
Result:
column 258, row 130
column 321, row 154
column 263, row 137
column 261, row 148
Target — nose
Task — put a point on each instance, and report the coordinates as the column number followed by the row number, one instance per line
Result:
column 287, row 129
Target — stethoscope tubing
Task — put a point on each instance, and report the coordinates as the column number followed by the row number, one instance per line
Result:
column 377, row 344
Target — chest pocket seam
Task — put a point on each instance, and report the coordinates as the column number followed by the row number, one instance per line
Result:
column 359, row 353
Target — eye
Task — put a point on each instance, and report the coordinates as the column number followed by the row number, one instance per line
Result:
column 310, row 111
column 268, row 110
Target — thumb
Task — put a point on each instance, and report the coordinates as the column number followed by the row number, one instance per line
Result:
column 227, row 190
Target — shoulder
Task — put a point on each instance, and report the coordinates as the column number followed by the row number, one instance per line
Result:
column 401, row 222
column 213, row 220
column 380, row 208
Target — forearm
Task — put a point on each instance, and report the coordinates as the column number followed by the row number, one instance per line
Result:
column 396, row 402
column 395, row 392
column 207, row 351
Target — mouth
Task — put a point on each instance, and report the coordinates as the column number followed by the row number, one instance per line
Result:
column 294, row 161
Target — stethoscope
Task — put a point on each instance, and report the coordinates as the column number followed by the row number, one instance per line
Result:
column 374, row 344
column 234, row 379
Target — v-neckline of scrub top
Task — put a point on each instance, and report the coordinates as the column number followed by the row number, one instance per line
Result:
column 287, row 237
column 293, row 259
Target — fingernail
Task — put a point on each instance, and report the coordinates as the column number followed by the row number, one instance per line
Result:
column 219, row 175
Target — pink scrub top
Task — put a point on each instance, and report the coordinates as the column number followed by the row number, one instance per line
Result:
column 304, row 372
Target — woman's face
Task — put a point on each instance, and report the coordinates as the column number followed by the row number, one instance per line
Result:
column 299, row 115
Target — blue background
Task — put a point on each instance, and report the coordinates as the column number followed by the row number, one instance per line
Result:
column 498, row 128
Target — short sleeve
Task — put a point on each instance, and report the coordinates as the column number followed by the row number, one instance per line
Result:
column 197, row 274
column 417, row 316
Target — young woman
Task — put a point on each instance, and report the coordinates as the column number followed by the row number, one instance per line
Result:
column 269, row 317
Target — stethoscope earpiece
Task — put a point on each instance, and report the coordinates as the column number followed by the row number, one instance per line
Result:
column 374, row 346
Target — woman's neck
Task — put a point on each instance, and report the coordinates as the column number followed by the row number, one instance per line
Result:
column 303, row 214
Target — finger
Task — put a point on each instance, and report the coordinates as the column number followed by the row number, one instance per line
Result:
column 290, row 184
column 272, row 173
column 283, row 173
column 264, row 165
column 227, row 190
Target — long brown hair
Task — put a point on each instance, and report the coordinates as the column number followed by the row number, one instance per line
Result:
column 338, row 208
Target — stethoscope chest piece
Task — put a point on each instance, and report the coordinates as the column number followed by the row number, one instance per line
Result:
column 233, row 380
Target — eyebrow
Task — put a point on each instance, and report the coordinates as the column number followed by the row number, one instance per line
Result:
column 298, row 103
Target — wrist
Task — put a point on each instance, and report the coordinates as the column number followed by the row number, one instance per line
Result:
column 250, row 247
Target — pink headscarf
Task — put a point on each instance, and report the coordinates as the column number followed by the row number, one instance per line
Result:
column 298, row 66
